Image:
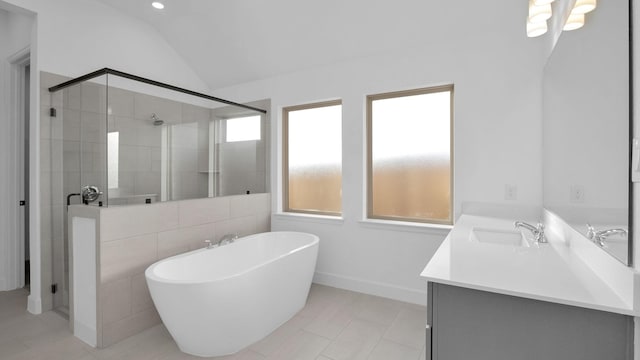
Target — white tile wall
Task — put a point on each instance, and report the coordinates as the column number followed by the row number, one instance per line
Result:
column 247, row 205
column 140, row 297
column 93, row 127
column 93, row 96
column 203, row 211
column 181, row 240
column 124, row 222
column 167, row 110
column 120, row 102
column 133, row 237
column 116, row 302
column 71, row 126
column 125, row 257
column 72, row 97
column 192, row 113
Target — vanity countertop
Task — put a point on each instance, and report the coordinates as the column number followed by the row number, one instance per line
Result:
column 547, row 272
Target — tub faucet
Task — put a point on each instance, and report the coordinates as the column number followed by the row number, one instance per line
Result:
column 599, row 236
column 227, row 239
column 537, row 231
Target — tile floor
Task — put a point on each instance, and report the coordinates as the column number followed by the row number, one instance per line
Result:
column 334, row 325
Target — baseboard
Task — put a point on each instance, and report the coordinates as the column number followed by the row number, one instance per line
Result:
column 34, row 305
column 414, row 296
column 85, row 333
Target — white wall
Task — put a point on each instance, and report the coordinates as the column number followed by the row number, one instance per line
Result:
column 497, row 73
column 15, row 35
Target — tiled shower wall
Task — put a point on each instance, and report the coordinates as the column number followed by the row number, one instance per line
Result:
column 242, row 165
column 141, row 143
column 133, row 237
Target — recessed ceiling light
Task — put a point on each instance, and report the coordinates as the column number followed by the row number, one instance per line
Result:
column 158, row 5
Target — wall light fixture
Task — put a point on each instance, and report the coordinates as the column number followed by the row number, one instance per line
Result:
column 575, row 21
column 540, row 11
column 583, row 6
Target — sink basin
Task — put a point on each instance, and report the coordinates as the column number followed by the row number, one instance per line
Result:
column 498, row 236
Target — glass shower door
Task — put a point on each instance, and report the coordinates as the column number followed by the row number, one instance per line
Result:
column 93, row 141
column 77, row 159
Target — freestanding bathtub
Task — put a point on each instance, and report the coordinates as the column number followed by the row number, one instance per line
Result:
column 217, row 301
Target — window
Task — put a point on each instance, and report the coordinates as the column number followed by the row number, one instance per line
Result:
column 409, row 167
column 243, row 128
column 312, row 163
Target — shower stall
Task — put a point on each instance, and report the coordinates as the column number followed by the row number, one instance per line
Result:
column 120, row 139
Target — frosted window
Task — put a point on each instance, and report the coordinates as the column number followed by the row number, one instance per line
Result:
column 243, row 128
column 410, row 159
column 113, row 152
column 314, row 158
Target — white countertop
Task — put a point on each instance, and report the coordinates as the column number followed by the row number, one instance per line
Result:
column 548, row 272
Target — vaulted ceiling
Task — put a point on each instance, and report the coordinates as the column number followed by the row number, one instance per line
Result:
column 235, row 41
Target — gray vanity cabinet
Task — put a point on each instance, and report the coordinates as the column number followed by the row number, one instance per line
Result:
column 471, row 324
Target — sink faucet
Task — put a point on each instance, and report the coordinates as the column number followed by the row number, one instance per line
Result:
column 227, row 239
column 599, row 236
column 537, row 231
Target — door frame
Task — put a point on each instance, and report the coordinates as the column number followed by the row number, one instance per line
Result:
column 17, row 183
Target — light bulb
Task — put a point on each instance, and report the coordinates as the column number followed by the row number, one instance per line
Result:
column 535, row 29
column 575, row 21
column 583, row 6
column 158, row 5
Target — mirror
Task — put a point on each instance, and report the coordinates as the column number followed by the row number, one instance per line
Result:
column 586, row 121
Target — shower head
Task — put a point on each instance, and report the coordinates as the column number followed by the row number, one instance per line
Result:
column 156, row 120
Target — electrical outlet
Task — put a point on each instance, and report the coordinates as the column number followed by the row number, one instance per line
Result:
column 576, row 194
column 510, row 192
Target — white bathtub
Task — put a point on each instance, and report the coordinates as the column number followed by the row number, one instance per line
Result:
column 217, row 301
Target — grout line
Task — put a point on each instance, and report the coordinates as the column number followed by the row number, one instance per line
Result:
column 404, row 345
column 314, row 334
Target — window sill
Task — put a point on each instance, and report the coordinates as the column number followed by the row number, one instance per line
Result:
column 321, row 219
column 435, row 229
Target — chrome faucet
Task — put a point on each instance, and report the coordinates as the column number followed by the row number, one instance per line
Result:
column 537, row 231
column 210, row 245
column 599, row 236
column 227, row 239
